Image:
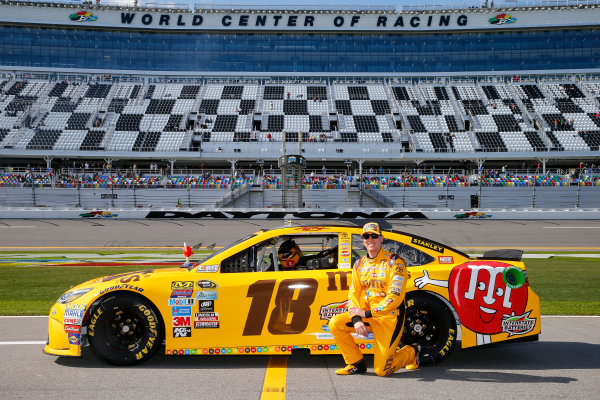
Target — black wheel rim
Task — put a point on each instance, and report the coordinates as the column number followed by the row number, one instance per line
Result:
column 124, row 330
column 422, row 327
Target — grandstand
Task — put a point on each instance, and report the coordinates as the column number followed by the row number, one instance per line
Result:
column 470, row 89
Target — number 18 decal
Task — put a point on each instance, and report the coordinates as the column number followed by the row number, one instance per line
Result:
column 261, row 293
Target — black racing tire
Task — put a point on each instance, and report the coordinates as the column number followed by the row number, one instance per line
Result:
column 124, row 330
column 430, row 323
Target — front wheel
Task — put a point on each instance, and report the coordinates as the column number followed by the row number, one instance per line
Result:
column 124, row 330
column 429, row 323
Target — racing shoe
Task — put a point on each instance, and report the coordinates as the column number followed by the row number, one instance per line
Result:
column 351, row 369
column 415, row 364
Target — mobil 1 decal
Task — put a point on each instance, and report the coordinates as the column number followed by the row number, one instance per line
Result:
column 485, row 303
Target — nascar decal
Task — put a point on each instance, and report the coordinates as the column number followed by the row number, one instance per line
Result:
column 330, row 310
column 74, row 314
column 446, row 260
column 206, row 285
column 483, row 301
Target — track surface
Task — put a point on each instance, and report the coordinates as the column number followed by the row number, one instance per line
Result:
column 563, row 364
column 466, row 234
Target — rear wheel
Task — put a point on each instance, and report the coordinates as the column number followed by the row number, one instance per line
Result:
column 124, row 330
column 429, row 323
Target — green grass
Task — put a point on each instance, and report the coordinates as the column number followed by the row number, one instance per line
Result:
column 566, row 286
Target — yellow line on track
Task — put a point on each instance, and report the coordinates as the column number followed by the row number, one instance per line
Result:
column 275, row 376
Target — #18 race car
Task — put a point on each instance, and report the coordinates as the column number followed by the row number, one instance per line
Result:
column 248, row 299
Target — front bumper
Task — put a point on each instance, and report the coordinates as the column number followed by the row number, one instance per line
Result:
column 60, row 342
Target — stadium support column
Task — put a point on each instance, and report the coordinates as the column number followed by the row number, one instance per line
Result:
column 233, row 162
column 291, row 165
column 543, row 161
column 360, row 183
column 172, row 162
column 48, row 160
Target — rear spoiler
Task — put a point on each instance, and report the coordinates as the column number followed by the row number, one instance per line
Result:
column 502, row 254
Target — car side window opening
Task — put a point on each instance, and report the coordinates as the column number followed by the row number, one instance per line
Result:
column 413, row 257
column 307, row 252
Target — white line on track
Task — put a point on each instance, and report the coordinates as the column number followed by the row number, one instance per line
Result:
column 36, row 342
column 571, row 227
column 18, row 226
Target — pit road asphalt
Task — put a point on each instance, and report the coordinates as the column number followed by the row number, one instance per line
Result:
column 563, row 364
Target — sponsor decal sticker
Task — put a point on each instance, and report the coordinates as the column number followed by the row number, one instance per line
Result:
column 330, row 310
column 206, row 305
column 206, row 285
column 75, row 339
column 182, row 285
column 204, row 317
column 206, row 324
column 72, row 328
column 427, row 244
column 182, row 332
column 207, row 295
column 122, row 286
column 182, row 321
column 74, row 314
column 446, row 259
column 324, row 336
column 207, row 268
column 182, row 310
column 182, row 293
column 518, row 324
column 181, row 302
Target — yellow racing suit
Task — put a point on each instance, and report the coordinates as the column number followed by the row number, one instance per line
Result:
column 378, row 286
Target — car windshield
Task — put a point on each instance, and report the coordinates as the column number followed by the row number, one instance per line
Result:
column 220, row 251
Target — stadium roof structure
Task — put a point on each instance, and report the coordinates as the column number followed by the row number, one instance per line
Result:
column 374, row 83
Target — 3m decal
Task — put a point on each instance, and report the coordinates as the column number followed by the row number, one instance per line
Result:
column 182, row 321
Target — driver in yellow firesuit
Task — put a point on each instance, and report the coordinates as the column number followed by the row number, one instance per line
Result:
column 375, row 300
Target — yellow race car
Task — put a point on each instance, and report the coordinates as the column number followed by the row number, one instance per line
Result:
column 275, row 291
